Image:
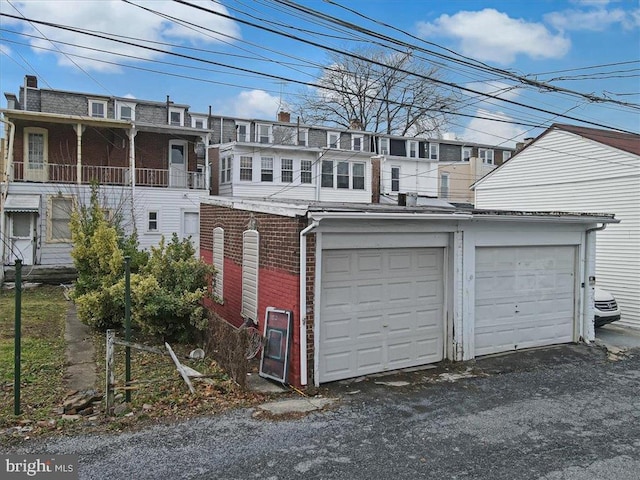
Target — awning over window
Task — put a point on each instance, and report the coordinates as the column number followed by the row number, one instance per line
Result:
column 22, row 203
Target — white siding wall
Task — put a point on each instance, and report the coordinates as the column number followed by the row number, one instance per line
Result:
column 416, row 175
column 170, row 205
column 565, row 172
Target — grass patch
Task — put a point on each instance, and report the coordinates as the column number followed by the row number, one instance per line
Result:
column 43, row 353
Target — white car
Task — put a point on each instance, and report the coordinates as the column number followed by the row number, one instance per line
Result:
column 606, row 307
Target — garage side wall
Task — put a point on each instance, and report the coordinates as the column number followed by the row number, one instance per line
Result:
column 278, row 272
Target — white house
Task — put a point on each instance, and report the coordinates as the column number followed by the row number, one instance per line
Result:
column 578, row 169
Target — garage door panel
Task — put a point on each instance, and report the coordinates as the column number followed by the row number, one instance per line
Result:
column 395, row 306
column 524, row 297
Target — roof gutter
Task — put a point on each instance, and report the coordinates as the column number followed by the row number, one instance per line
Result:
column 303, row 301
column 390, row 216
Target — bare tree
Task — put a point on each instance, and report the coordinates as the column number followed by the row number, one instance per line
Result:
column 377, row 91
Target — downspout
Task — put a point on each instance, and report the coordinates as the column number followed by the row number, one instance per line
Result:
column 587, row 303
column 303, row 301
column 207, row 167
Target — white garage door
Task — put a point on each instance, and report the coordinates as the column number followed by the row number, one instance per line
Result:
column 381, row 309
column 524, row 297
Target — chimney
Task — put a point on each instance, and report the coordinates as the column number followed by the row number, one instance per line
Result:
column 355, row 124
column 284, row 116
column 32, row 81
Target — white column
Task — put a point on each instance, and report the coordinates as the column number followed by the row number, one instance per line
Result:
column 79, row 128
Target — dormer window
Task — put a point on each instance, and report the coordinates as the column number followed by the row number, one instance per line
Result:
column 333, row 139
column 412, row 148
column 303, row 134
column 383, row 145
column 263, row 133
column 242, row 132
column 126, row 111
column 434, row 151
column 198, row 122
column 98, row 108
column 357, row 142
column 176, row 117
column 466, row 153
column 486, row 154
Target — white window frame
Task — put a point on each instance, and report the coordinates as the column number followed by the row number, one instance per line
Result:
column 217, row 287
column 102, row 103
column 303, row 137
column 383, row 146
column 266, row 166
column 156, row 220
column 289, row 170
column 246, row 136
column 130, row 105
column 50, row 219
column 336, row 144
column 324, row 175
column 179, row 111
column 198, row 118
column 353, row 175
column 413, row 147
column 246, row 168
column 486, row 155
column 353, row 143
column 444, row 185
column 434, row 151
column 45, row 146
column 250, row 274
column 465, row 150
column 397, row 180
column 260, row 136
column 306, row 171
column 506, row 155
column 226, row 169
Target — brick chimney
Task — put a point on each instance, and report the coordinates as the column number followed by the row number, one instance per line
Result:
column 284, row 116
column 32, row 81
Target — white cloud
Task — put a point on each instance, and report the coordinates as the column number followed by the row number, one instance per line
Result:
column 494, row 36
column 485, row 131
column 598, row 19
column 117, row 18
column 5, row 49
column 253, row 104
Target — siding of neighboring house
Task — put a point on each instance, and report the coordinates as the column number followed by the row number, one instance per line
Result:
column 418, row 176
column 278, row 266
column 461, row 176
column 567, row 172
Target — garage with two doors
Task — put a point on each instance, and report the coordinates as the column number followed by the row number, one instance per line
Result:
column 419, row 291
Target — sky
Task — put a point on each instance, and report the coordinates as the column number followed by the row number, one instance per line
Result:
column 540, row 61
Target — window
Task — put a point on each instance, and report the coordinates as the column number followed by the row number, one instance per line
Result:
column 152, row 221
column 506, row 155
column 395, row 179
column 327, row 173
column 36, row 147
column 305, row 171
column 176, row 116
column 198, row 122
column 466, row 153
column 266, row 173
column 444, row 185
column 126, row 111
column 246, row 168
column 412, row 148
column 218, row 264
column 434, row 151
column 358, row 176
column 303, row 135
column 486, row 155
column 263, row 132
column 21, row 225
column 60, row 209
column 250, row 268
column 342, row 175
column 286, row 170
column 333, row 140
column 357, row 142
column 383, row 146
column 242, row 132
column 98, row 108
column 225, row 169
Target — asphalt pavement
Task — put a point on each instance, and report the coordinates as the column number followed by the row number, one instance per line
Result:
column 567, row 412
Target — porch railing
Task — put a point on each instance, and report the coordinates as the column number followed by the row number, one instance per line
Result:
column 104, row 175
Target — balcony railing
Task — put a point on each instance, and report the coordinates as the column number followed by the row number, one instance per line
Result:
column 146, row 177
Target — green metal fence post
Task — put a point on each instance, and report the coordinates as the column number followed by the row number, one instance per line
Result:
column 17, row 346
column 127, row 323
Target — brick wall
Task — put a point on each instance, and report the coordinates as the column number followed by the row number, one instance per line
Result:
column 278, row 276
